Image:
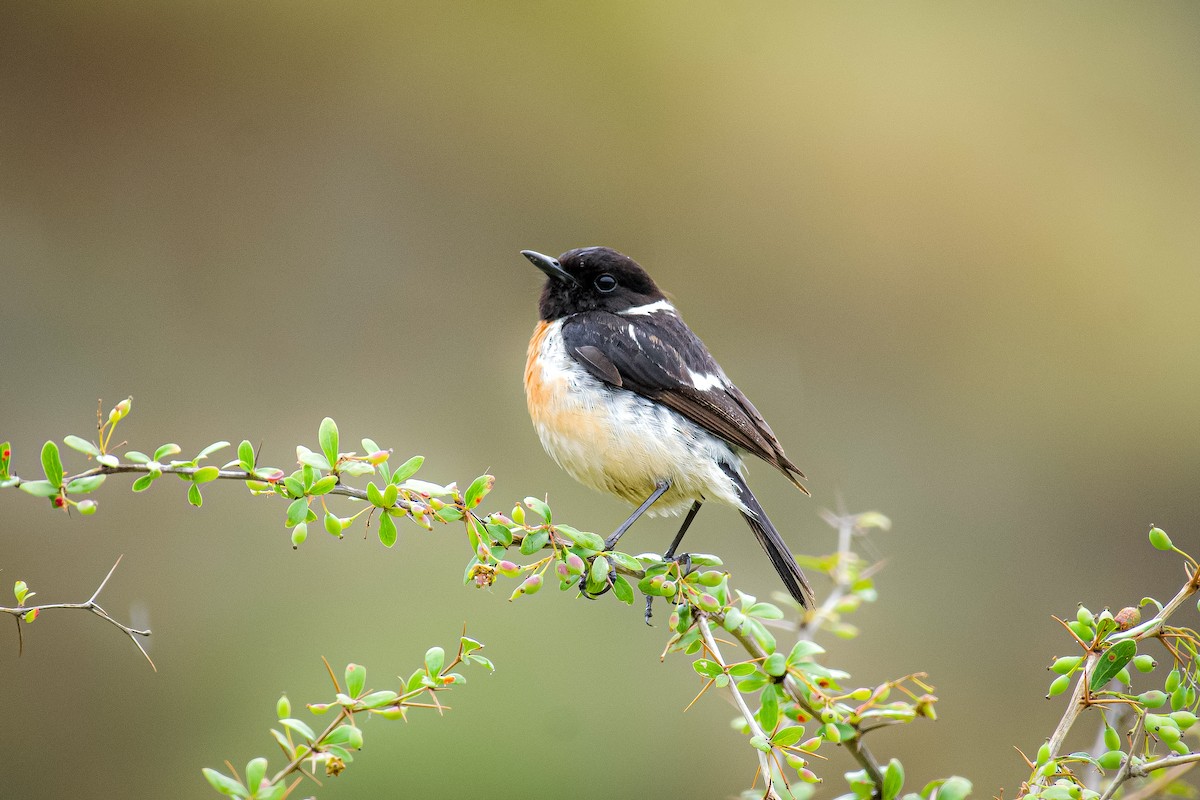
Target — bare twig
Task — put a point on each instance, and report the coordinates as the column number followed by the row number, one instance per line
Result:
column 89, row 605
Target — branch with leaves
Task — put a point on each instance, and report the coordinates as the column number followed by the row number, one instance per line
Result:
column 330, row 751
column 1109, row 647
column 791, row 704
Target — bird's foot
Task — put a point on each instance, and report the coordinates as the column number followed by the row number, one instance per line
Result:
column 583, row 582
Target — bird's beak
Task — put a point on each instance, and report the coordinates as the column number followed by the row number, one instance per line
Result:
column 549, row 265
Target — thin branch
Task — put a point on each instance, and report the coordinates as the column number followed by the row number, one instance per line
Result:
column 1155, row 786
column 740, row 702
column 224, row 474
column 1126, row 767
column 841, row 576
column 90, row 605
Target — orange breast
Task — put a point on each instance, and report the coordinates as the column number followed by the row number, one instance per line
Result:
column 535, row 387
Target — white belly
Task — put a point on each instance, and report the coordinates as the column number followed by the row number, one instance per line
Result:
column 617, row 441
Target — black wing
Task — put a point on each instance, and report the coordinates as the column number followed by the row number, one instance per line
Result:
column 657, row 356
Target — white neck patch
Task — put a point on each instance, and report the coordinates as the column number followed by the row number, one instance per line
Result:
column 650, row 308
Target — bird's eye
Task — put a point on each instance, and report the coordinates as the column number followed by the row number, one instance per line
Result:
column 606, row 282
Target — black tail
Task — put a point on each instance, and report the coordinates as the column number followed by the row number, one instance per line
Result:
column 781, row 558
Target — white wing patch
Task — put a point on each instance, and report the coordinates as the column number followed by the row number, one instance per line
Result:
column 705, row 382
column 650, row 308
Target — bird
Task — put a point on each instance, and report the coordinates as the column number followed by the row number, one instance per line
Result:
column 629, row 401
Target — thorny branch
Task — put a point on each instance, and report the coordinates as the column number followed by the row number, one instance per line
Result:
column 19, row 613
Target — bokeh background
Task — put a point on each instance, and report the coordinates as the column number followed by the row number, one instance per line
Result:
column 949, row 250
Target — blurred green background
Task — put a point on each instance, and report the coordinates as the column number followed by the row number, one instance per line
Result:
column 949, row 250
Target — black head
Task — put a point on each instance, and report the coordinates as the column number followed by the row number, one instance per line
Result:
column 591, row 279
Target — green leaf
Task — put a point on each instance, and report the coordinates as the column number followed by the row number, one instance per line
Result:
column 788, row 737
column 82, row 445
column 52, row 464
column 760, row 634
column 327, row 435
column 591, row 541
column 768, row 712
column 765, row 611
column 707, row 668
column 166, row 450
column 85, row 485
column 20, row 591
column 314, row 460
column 212, row 448
column 598, row 574
column 356, row 679
column 478, row 490
column 622, row 590
column 538, row 507
column 375, row 496
column 954, row 788
column 804, row 651
column 299, row 727
column 323, row 485
column 532, row 542
column 1111, row 662
column 224, row 784
column 108, row 460
column 377, row 699
column 387, row 530
column 246, row 456
column 39, row 488
column 143, row 483
column 256, row 770
column 194, row 495
column 205, row 474
column 347, row 735
column 893, row 780
column 407, row 469
column 297, row 511
column 435, row 659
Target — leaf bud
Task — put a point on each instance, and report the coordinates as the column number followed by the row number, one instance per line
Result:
column 1152, row 699
column 1144, row 662
column 1058, row 686
column 1160, row 540
column 1066, row 664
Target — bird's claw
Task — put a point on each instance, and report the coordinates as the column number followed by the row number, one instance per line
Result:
column 583, row 583
column 684, row 560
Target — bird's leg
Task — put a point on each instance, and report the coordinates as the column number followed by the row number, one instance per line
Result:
column 660, row 489
column 670, row 554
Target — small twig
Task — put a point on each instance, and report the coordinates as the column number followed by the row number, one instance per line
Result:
column 90, row 605
column 1155, row 786
column 740, row 702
